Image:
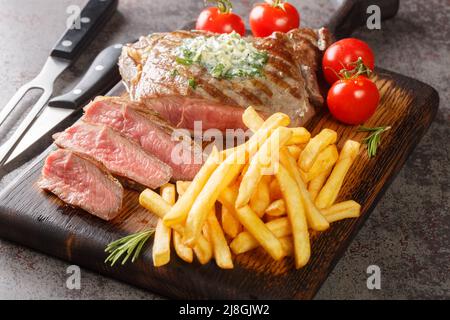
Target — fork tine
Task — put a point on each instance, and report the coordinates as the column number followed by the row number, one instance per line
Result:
column 9, row 107
column 8, row 147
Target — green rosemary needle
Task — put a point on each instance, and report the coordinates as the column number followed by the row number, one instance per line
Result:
column 373, row 140
column 127, row 245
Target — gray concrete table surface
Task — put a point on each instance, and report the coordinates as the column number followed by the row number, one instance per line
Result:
column 408, row 233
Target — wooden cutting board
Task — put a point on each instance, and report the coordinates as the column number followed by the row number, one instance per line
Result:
column 39, row 220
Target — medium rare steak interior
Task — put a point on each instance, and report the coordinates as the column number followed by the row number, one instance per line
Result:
column 146, row 128
column 82, row 183
column 121, row 156
column 174, row 73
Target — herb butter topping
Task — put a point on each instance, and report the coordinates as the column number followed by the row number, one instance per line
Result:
column 224, row 56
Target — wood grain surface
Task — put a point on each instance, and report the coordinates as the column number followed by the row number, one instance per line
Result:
column 39, row 220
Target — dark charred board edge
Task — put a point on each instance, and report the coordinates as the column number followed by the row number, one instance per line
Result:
column 58, row 240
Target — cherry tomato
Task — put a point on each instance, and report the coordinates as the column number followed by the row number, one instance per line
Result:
column 353, row 101
column 220, row 19
column 343, row 54
column 266, row 18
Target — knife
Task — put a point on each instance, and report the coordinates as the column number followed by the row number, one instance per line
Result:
column 66, row 50
column 63, row 110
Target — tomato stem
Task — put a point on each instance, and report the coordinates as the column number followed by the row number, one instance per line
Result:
column 277, row 3
column 359, row 69
column 224, row 6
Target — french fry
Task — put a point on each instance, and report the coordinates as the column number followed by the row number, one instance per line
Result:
column 260, row 232
column 269, row 218
column 231, row 225
column 262, row 158
column 180, row 210
column 316, row 220
column 184, row 252
column 226, row 173
column 275, row 192
column 275, row 121
column 276, row 208
column 252, row 119
column 342, row 210
column 182, row 186
column 316, row 184
column 244, row 241
column 297, row 216
column 168, row 193
column 325, row 161
column 288, row 245
column 163, row 234
column 221, row 250
column 206, row 232
column 161, row 245
column 299, row 136
column 228, row 198
column 327, row 196
column 260, row 199
column 295, row 151
column 314, row 147
column 155, row 204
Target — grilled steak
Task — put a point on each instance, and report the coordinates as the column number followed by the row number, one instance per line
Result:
column 288, row 82
column 146, row 128
column 121, row 156
column 82, row 183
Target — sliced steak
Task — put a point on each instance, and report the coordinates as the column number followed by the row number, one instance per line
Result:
column 121, row 156
column 183, row 112
column 82, row 183
column 288, row 83
column 146, row 128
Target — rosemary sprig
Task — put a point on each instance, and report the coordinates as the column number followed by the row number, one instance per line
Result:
column 373, row 140
column 127, row 245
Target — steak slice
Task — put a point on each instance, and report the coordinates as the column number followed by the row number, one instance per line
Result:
column 289, row 82
column 122, row 157
column 146, row 128
column 82, row 183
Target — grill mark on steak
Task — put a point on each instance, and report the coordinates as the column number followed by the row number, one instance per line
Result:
column 250, row 97
column 289, row 85
column 262, row 87
column 215, row 92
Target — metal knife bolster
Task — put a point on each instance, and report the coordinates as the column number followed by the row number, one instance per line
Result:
column 101, row 75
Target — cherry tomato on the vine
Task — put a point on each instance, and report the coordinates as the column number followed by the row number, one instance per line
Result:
column 342, row 55
column 220, row 19
column 266, row 18
column 353, row 101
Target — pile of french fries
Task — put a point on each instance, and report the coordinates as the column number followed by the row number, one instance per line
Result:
column 269, row 192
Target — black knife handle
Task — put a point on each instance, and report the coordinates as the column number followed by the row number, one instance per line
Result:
column 352, row 14
column 91, row 19
column 102, row 74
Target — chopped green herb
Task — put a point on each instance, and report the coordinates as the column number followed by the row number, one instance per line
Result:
column 217, row 71
column 184, row 61
column 192, row 83
column 224, row 56
column 174, row 73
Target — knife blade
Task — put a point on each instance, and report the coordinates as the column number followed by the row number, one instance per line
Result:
column 101, row 75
